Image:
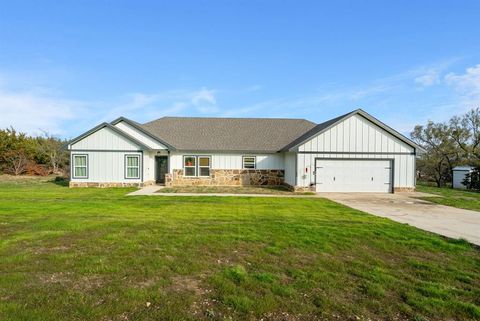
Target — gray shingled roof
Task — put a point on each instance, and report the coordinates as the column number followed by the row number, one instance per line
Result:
column 316, row 129
column 228, row 134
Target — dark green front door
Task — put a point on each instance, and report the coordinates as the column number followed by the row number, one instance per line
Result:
column 161, row 168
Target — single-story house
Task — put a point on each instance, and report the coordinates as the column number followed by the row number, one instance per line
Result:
column 354, row 152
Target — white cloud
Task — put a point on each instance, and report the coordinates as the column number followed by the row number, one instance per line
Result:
column 429, row 78
column 467, row 84
column 204, row 96
column 35, row 111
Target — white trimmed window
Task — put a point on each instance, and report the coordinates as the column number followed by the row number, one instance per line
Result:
column 80, row 166
column 132, row 166
column 249, row 162
column 203, row 166
column 190, row 166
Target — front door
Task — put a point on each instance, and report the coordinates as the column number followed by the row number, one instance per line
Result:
column 161, row 168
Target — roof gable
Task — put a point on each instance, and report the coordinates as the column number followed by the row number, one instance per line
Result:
column 113, row 129
column 323, row 127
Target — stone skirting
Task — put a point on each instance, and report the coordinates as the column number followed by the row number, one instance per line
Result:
column 303, row 188
column 403, row 189
column 106, row 185
column 228, row 177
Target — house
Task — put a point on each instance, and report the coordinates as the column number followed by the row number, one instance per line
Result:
column 351, row 153
column 459, row 174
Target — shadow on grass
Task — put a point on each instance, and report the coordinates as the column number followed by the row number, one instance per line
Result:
column 60, row 181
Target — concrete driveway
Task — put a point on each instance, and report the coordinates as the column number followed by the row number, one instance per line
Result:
column 404, row 208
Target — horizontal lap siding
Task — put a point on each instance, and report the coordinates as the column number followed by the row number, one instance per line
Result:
column 231, row 161
column 357, row 137
column 290, row 164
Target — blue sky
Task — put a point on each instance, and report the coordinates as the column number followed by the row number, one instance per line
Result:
column 66, row 66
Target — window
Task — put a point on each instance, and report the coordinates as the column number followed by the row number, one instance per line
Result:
column 203, row 166
column 190, row 166
column 80, row 164
column 196, row 166
column 249, row 162
column 132, row 166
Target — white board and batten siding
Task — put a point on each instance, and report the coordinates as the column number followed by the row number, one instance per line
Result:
column 105, row 139
column 147, row 140
column 357, row 138
column 229, row 160
column 106, row 150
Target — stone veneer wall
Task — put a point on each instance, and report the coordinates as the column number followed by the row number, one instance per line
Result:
column 403, row 189
column 105, row 185
column 228, row 177
column 303, row 188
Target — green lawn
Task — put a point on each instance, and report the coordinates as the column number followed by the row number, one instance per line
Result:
column 452, row 197
column 95, row 254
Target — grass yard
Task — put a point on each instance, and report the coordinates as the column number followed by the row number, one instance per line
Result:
column 276, row 190
column 452, row 197
column 94, row 254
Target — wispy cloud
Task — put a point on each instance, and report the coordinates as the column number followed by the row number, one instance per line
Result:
column 429, row 78
column 467, row 85
column 36, row 111
column 204, row 95
column 402, row 100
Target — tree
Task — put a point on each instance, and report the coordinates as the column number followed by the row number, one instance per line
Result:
column 472, row 179
column 442, row 154
column 465, row 131
column 51, row 150
column 16, row 161
column 15, row 151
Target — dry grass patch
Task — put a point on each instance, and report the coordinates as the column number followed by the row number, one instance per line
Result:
column 271, row 190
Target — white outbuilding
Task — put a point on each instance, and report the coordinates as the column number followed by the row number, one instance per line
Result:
column 459, row 174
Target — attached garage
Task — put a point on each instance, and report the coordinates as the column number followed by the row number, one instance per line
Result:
column 353, row 175
column 354, row 153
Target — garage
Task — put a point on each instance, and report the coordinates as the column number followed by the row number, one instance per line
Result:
column 353, row 175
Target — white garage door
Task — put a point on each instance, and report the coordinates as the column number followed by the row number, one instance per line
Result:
column 353, row 175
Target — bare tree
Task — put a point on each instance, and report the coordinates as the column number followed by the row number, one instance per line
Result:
column 16, row 161
column 52, row 149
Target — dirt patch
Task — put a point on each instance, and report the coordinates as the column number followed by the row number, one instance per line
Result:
column 68, row 279
column 43, row 250
column 186, row 284
column 63, row 278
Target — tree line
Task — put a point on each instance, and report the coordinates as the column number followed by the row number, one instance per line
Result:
column 23, row 154
column 449, row 144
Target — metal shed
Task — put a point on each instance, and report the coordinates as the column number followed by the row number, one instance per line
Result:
column 459, row 173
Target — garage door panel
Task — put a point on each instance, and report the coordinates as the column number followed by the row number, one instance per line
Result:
column 353, row 175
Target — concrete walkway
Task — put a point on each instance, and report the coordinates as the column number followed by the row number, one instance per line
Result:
column 147, row 190
column 405, row 208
